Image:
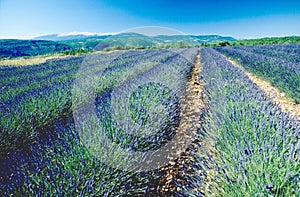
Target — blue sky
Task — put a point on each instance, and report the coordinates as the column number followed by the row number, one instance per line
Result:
column 240, row 19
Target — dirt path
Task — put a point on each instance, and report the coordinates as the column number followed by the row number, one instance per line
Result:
column 192, row 107
column 26, row 61
column 278, row 97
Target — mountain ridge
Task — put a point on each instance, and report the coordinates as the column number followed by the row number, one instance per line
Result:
column 82, row 42
column 89, row 35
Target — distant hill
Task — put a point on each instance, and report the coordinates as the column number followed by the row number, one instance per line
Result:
column 77, row 43
column 160, row 38
column 71, row 43
column 127, row 40
column 17, row 48
column 192, row 39
column 134, row 39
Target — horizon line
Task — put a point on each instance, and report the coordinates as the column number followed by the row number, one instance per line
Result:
column 86, row 33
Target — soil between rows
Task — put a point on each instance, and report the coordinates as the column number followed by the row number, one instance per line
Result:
column 178, row 170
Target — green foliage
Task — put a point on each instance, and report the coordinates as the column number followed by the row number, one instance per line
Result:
column 263, row 41
column 254, row 42
column 224, row 43
column 76, row 52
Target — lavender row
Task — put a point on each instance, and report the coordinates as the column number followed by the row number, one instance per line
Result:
column 53, row 71
column 43, row 100
column 257, row 146
column 283, row 74
column 56, row 162
column 287, row 52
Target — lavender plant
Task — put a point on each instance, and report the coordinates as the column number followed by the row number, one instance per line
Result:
column 257, row 146
column 277, row 64
column 42, row 152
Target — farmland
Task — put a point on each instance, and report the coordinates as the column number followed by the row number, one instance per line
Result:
column 278, row 64
column 175, row 122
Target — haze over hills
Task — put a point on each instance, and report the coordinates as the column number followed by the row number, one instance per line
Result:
column 100, row 41
column 83, row 42
column 76, row 41
column 196, row 39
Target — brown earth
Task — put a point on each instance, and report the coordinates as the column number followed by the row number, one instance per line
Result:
column 21, row 61
column 26, row 61
column 192, row 106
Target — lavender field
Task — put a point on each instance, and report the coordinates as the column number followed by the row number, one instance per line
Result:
column 278, row 64
column 110, row 124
